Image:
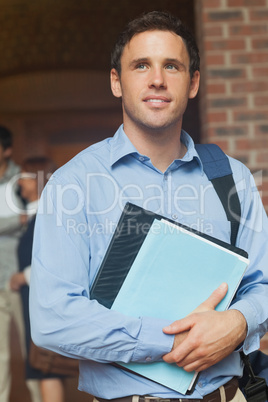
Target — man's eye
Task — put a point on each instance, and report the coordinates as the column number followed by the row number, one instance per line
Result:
column 141, row 67
column 171, row 67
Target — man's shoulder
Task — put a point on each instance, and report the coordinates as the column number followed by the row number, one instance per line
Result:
column 244, row 179
column 238, row 167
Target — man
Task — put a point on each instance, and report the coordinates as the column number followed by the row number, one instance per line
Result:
column 9, row 232
column 11, row 208
column 151, row 162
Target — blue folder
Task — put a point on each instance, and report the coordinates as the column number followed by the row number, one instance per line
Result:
column 144, row 243
column 175, row 271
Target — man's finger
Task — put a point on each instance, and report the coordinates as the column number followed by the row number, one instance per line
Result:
column 179, row 326
column 215, row 298
column 209, row 304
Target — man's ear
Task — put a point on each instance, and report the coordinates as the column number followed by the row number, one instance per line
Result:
column 115, row 83
column 194, row 86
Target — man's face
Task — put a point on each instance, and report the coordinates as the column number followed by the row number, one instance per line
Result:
column 155, row 82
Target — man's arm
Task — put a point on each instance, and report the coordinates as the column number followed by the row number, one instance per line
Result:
column 63, row 318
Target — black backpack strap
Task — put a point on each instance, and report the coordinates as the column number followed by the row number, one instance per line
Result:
column 218, row 170
column 254, row 387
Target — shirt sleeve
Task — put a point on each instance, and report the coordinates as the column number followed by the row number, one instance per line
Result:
column 63, row 318
column 252, row 297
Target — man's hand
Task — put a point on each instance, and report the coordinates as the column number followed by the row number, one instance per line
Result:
column 206, row 336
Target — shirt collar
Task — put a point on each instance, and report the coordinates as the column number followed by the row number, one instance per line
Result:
column 121, row 146
column 191, row 153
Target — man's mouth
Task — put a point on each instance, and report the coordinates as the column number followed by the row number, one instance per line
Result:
column 157, row 100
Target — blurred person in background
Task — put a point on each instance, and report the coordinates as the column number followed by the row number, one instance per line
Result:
column 34, row 175
column 11, row 223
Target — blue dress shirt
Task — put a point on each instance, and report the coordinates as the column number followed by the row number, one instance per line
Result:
column 78, row 213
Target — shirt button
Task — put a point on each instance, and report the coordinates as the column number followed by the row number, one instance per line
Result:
column 148, row 359
column 141, row 158
column 200, row 384
column 174, row 217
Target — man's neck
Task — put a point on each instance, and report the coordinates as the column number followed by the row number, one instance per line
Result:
column 162, row 147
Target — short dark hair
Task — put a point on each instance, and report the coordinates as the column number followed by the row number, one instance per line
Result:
column 156, row 20
column 5, row 138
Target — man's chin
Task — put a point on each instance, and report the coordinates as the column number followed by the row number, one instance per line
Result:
column 160, row 126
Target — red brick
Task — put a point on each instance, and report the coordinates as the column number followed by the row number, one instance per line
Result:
column 264, row 188
column 248, row 29
column 246, row 3
column 223, row 16
column 260, row 44
column 215, row 117
column 250, row 58
column 242, row 157
column 264, row 199
column 249, row 86
column 223, row 144
column 215, row 59
column 260, row 72
column 226, row 73
column 213, row 31
column 251, row 115
column 211, row 3
column 260, row 14
column 227, row 102
column 262, row 157
column 261, row 100
column 242, row 144
column 227, row 131
column 216, row 89
column 231, row 44
column 261, row 129
column 246, row 143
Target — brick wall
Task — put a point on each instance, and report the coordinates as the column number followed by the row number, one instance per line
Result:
column 233, row 40
column 233, row 37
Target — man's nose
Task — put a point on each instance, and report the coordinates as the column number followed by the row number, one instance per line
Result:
column 157, row 78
